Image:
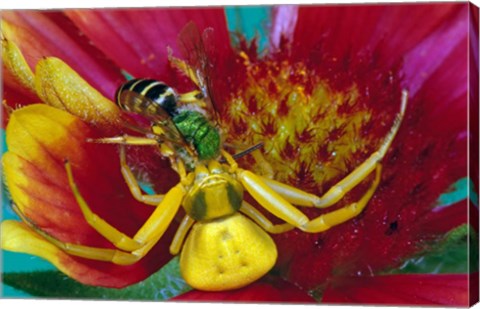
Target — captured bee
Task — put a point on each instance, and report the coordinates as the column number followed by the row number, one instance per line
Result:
column 223, row 240
column 177, row 117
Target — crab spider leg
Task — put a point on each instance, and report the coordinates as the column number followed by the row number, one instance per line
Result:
column 363, row 170
column 326, row 221
column 126, row 140
column 177, row 242
column 262, row 221
column 132, row 183
column 152, row 229
column 92, row 253
column 278, row 206
column 266, row 167
column 291, row 194
column 265, row 195
column 269, row 199
column 116, row 237
column 136, row 141
column 162, row 216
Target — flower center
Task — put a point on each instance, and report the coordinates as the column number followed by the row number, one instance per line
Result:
column 309, row 130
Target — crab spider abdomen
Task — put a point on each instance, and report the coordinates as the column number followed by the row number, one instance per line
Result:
column 226, row 253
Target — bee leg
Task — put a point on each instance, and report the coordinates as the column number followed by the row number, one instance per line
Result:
column 147, row 235
column 191, row 97
column 132, row 183
column 177, row 242
column 262, row 221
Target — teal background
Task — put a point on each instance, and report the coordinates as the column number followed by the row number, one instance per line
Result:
column 250, row 21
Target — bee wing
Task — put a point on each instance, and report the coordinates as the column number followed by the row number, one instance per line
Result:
column 142, row 105
column 192, row 45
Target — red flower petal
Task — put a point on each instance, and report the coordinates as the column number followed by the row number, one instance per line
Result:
column 474, row 94
column 404, row 27
column 444, row 94
column 431, row 54
column 281, row 292
column 141, row 48
column 446, row 290
column 355, row 28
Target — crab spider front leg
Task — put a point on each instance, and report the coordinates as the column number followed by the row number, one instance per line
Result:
column 354, row 178
column 126, row 140
column 145, row 238
column 92, row 253
column 147, row 235
column 278, row 206
column 132, row 183
column 269, row 199
column 336, row 217
column 128, row 176
column 116, row 237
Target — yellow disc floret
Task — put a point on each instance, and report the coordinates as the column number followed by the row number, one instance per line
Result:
column 308, row 128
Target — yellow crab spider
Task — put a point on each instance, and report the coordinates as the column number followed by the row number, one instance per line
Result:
column 223, row 241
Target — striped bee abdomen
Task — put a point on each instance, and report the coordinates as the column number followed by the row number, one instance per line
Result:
column 146, row 97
